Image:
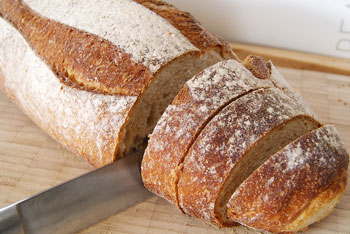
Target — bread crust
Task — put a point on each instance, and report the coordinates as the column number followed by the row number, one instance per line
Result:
column 222, row 144
column 98, row 136
column 91, row 62
column 258, row 66
column 200, row 99
column 277, row 197
column 189, row 27
column 87, row 123
column 78, row 58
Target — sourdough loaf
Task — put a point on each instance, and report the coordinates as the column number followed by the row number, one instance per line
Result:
column 96, row 76
column 208, row 142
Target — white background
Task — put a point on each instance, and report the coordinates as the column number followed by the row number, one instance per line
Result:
column 316, row 26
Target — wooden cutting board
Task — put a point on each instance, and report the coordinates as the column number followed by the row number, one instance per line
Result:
column 30, row 162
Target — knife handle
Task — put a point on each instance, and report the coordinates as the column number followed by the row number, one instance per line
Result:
column 9, row 220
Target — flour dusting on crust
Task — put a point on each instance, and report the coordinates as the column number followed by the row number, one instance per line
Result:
column 281, row 188
column 224, row 141
column 85, row 122
column 149, row 38
column 201, row 98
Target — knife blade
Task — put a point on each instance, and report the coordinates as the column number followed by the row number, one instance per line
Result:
column 78, row 203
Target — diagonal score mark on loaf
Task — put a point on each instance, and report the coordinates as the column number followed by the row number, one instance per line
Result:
column 233, row 144
column 295, row 187
column 85, row 122
column 155, row 59
column 201, row 98
column 78, row 58
column 156, row 43
column 121, row 35
column 150, row 34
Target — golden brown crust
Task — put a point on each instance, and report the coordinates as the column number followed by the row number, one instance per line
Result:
column 89, row 62
column 189, row 27
column 86, row 123
column 195, row 105
column 85, row 61
column 312, row 213
column 80, row 59
column 258, row 66
column 283, row 187
column 224, row 142
column 200, row 99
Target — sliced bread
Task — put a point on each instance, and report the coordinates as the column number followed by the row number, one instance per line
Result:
column 296, row 187
column 233, row 144
column 201, row 98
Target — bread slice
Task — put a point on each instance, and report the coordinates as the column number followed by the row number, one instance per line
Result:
column 233, row 144
column 96, row 76
column 201, row 98
column 296, row 187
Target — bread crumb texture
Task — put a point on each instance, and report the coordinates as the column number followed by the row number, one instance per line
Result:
column 197, row 102
column 223, row 143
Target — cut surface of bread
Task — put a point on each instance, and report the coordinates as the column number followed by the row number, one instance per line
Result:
column 200, row 99
column 261, row 151
column 114, row 58
column 196, row 104
column 158, row 96
column 296, row 187
column 233, row 144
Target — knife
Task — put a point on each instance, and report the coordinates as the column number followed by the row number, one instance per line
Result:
column 78, row 203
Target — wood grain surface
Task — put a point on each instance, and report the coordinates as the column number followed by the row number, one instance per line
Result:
column 30, row 162
column 295, row 59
